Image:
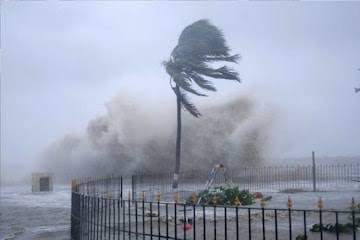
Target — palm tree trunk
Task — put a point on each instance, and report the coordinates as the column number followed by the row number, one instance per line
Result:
column 178, row 141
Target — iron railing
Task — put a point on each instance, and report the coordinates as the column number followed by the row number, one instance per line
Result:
column 112, row 208
column 269, row 178
column 102, row 218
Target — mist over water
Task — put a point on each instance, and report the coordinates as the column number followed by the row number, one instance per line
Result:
column 139, row 137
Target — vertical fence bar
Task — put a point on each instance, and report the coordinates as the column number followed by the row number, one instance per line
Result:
column 353, row 224
column 175, row 216
column 101, row 218
column 337, row 225
column 151, row 221
column 321, row 225
column 225, row 221
column 105, row 216
column 94, row 218
column 87, row 214
column 194, row 222
column 305, row 231
column 109, row 206
column 143, row 216
column 118, row 217
column 167, row 219
column 249, row 222
column 158, row 216
column 276, row 225
column 124, row 217
column 129, row 217
column 215, row 222
column 97, row 217
column 136, row 219
column 204, row 222
column 313, row 171
column 290, row 225
column 133, row 187
column 121, row 190
column 114, row 218
column 237, row 222
column 263, row 222
column 185, row 222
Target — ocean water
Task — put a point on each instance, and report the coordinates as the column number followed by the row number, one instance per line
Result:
column 27, row 215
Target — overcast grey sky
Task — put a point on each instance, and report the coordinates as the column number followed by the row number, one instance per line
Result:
column 61, row 61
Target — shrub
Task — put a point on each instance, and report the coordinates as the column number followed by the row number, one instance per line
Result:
column 225, row 195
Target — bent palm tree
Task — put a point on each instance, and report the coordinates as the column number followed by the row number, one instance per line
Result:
column 200, row 44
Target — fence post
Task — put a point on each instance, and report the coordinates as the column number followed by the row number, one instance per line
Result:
column 74, row 187
column 313, row 171
column 133, row 187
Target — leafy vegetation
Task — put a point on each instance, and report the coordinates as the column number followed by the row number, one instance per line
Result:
column 341, row 228
column 301, row 237
column 225, row 195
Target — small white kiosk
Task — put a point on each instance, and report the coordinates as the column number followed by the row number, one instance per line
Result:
column 42, row 182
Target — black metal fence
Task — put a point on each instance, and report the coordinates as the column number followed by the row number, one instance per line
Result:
column 269, row 178
column 117, row 208
column 95, row 217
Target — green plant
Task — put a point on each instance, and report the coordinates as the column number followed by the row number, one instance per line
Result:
column 341, row 228
column 301, row 237
column 225, row 195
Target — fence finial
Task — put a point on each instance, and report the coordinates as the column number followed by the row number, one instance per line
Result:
column 353, row 204
column 143, row 196
column 158, row 196
column 215, row 200
column 289, row 203
column 193, row 198
column 176, row 197
column 74, row 185
column 237, row 201
column 262, row 202
column 320, row 203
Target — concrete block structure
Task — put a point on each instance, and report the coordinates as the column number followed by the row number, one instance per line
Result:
column 42, row 182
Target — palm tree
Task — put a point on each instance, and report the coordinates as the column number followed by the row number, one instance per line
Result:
column 199, row 45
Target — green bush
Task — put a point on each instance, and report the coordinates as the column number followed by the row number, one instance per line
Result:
column 341, row 228
column 224, row 195
column 301, row 237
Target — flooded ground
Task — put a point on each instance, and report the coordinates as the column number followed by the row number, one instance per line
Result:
column 26, row 215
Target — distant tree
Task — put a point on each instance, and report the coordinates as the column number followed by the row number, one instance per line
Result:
column 199, row 45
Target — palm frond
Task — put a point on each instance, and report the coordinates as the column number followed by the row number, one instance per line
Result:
column 223, row 72
column 202, row 82
column 199, row 44
column 234, row 58
column 184, row 83
column 181, row 78
column 189, row 106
